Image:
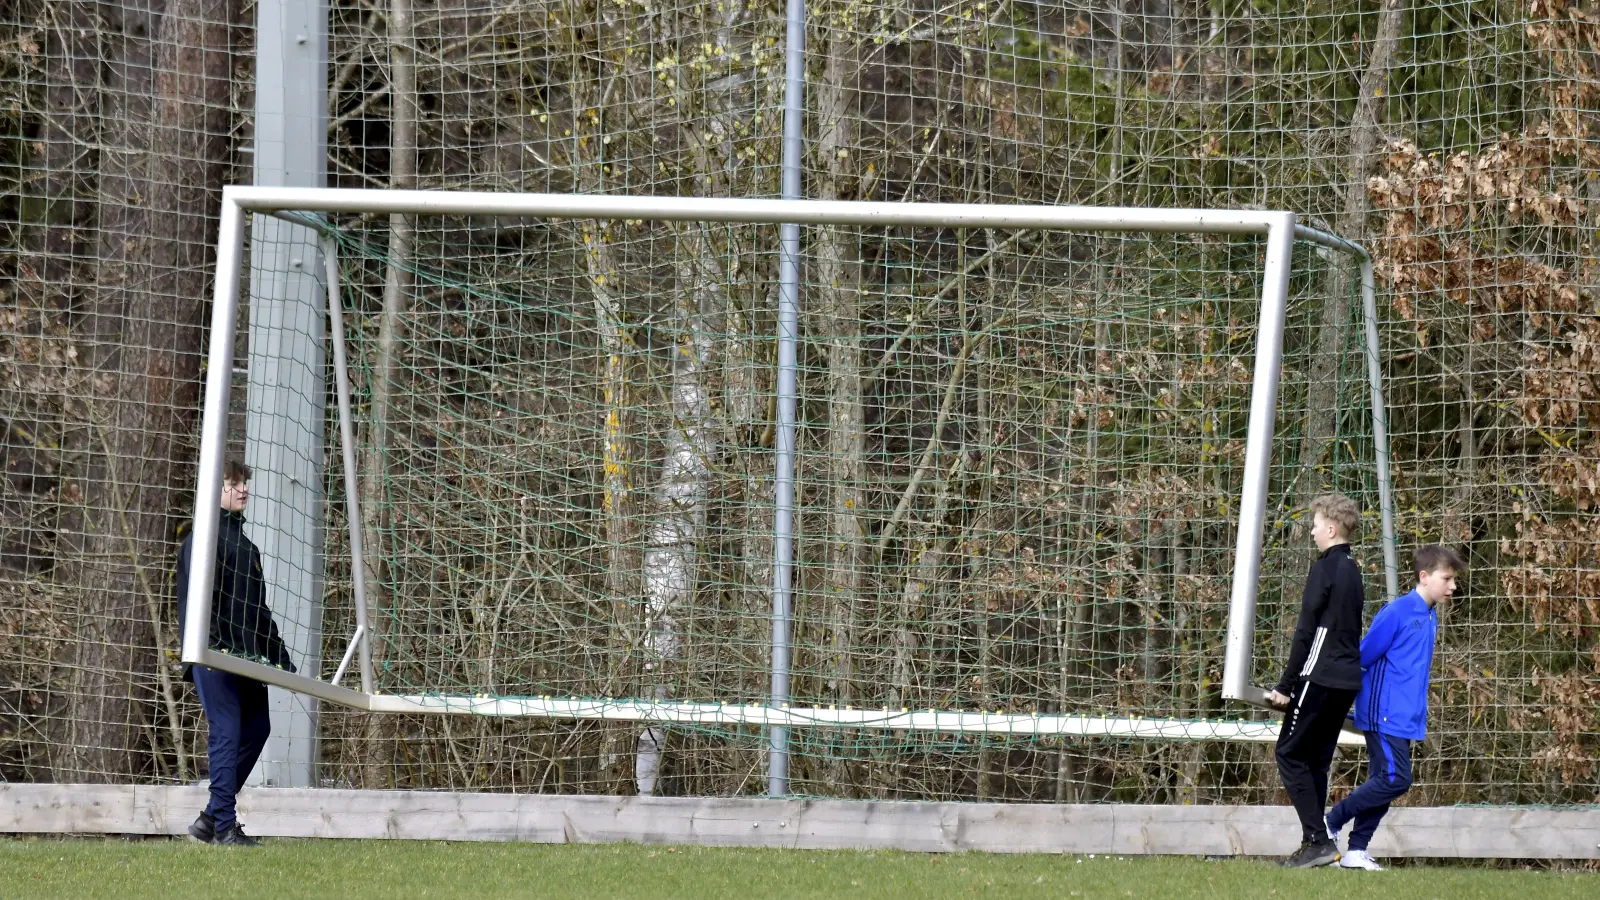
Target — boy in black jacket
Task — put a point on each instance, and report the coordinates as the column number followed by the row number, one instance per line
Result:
column 241, row 624
column 1323, row 675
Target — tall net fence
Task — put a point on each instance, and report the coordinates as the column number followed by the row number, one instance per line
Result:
column 1451, row 137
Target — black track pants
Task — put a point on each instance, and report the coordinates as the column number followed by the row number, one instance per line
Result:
column 1305, row 751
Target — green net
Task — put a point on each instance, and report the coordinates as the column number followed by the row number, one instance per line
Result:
column 1019, row 461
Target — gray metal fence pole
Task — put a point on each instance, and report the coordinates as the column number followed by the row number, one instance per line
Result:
column 286, row 371
column 788, row 341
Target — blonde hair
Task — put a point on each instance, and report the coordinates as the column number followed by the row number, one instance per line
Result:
column 1341, row 511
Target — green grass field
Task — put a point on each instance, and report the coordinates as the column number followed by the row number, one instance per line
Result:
column 350, row 870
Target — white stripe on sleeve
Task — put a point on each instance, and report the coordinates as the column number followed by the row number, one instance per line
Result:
column 1316, row 649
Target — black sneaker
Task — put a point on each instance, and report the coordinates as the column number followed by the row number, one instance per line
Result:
column 203, row 829
column 1313, row 854
column 234, row 836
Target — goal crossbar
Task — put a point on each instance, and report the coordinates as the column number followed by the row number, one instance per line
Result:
column 1279, row 228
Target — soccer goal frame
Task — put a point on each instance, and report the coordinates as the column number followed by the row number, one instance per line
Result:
column 1279, row 229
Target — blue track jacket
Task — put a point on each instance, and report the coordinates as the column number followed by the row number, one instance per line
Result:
column 1396, row 657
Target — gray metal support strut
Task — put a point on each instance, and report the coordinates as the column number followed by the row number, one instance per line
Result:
column 287, row 395
column 788, row 342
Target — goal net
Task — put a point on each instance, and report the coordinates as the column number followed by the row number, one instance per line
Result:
column 1042, row 471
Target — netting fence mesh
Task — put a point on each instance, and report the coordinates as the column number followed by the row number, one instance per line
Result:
column 524, row 530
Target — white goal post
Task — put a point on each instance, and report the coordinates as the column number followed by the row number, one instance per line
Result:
column 1279, row 230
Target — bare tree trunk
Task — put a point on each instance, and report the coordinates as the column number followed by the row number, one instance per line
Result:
column 839, row 293
column 163, row 151
column 615, row 342
column 1322, row 402
column 58, row 216
column 124, row 347
column 188, row 166
column 386, row 370
column 982, row 525
column 926, row 560
column 745, row 389
column 1070, row 652
column 1073, row 647
column 1456, row 524
column 1191, row 693
column 1155, row 663
column 615, row 354
column 615, row 500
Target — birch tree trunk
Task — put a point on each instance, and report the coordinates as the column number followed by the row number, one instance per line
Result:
column 702, row 308
column 670, row 563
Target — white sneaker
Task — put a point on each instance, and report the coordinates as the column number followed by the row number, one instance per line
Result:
column 1359, row 859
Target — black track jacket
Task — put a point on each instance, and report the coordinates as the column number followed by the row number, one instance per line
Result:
column 1327, row 639
column 241, row 623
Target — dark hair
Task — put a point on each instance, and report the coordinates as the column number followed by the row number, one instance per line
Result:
column 1433, row 557
column 235, row 472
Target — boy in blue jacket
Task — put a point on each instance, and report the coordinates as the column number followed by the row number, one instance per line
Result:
column 1392, row 707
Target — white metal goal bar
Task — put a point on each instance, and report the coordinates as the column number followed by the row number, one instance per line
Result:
column 722, row 715
column 1280, row 230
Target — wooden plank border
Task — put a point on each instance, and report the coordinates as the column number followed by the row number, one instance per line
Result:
column 1461, row 832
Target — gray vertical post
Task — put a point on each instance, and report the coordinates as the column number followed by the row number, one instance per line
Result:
column 788, row 342
column 287, row 395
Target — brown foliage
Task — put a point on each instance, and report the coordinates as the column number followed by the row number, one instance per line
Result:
column 1570, row 703
column 1558, row 579
column 1472, row 233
